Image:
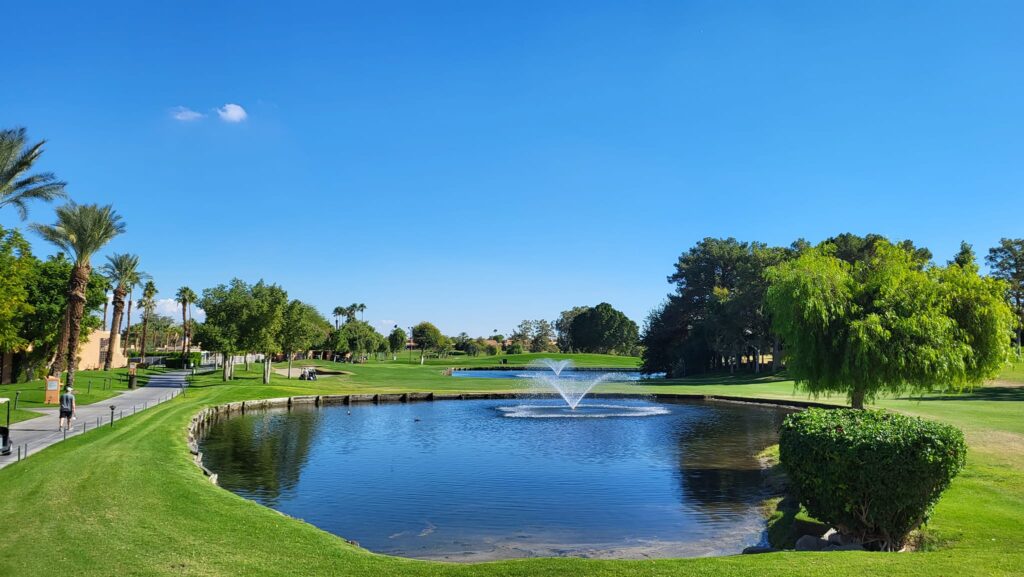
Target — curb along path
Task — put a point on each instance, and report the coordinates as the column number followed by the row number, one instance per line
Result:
column 30, row 437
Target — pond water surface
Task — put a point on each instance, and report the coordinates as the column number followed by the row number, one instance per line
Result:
column 461, row 480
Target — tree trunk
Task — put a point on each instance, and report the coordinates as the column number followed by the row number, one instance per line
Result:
column 76, row 308
column 857, row 399
column 226, row 374
column 266, row 369
column 184, row 332
column 145, row 327
column 776, row 354
column 128, row 326
column 62, row 342
column 115, row 328
column 289, row 365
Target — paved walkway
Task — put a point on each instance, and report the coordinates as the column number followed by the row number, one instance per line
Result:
column 30, row 437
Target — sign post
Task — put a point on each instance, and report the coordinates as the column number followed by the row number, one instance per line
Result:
column 132, row 371
column 52, row 391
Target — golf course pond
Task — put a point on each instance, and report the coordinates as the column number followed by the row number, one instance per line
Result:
column 477, row 480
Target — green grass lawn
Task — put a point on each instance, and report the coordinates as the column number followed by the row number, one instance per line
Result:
column 1014, row 373
column 129, row 500
column 90, row 387
column 578, row 359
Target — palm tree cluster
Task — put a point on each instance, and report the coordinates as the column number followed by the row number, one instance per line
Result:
column 186, row 297
column 80, row 231
column 348, row 312
column 122, row 270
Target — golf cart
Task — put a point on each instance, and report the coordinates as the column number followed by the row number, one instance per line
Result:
column 5, row 431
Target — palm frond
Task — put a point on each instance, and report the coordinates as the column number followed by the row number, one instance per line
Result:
column 82, row 229
column 17, row 187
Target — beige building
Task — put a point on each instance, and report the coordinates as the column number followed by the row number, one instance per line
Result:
column 93, row 352
column 91, row 355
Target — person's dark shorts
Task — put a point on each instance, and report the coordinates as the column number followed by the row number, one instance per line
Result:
column 65, row 414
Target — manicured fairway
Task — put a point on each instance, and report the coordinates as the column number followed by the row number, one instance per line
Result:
column 129, row 501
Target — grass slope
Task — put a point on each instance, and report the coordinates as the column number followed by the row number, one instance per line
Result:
column 129, row 501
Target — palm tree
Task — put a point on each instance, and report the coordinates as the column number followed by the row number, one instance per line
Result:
column 360, row 307
column 81, row 230
column 185, row 297
column 17, row 187
column 131, row 298
column 338, row 312
column 122, row 270
column 350, row 312
column 148, row 306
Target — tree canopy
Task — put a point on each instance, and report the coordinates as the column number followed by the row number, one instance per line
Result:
column 603, row 329
column 716, row 314
column 396, row 340
column 885, row 323
column 427, row 337
column 1007, row 264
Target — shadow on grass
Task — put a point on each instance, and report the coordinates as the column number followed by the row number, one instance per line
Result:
column 206, row 383
column 979, row 394
column 721, row 378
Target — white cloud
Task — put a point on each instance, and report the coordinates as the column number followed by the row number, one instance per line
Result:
column 232, row 113
column 171, row 308
column 185, row 114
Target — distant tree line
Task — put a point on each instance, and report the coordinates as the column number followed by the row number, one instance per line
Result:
column 582, row 329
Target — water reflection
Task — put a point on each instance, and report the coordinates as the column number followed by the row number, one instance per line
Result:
column 457, row 480
column 264, row 453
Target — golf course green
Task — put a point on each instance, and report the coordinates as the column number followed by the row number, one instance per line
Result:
column 128, row 500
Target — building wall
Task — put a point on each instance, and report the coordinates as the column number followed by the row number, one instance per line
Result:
column 91, row 354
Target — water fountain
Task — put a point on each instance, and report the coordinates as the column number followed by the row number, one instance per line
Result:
column 572, row 389
column 548, row 374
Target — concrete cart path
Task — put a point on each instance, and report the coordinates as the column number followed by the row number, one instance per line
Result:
column 34, row 435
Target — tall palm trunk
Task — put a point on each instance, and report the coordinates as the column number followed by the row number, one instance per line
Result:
column 76, row 308
column 145, row 327
column 62, row 343
column 128, row 326
column 115, row 328
column 184, row 332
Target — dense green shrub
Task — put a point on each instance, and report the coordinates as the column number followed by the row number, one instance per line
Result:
column 173, row 360
column 871, row 474
column 514, row 349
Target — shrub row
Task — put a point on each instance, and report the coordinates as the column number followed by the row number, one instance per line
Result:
column 872, row 475
column 173, row 360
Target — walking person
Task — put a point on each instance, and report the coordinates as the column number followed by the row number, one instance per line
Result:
column 68, row 408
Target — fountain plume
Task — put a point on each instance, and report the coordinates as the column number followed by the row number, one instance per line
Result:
column 572, row 389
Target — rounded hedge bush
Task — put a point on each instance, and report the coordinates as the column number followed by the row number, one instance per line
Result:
column 872, row 475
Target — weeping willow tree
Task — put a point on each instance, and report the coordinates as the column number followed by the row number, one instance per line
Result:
column 887, row 324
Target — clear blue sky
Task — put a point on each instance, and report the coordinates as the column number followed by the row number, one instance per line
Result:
column 477, row 163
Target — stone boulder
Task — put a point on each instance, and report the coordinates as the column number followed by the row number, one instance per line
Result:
column 810, row 543
column 757, row 549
